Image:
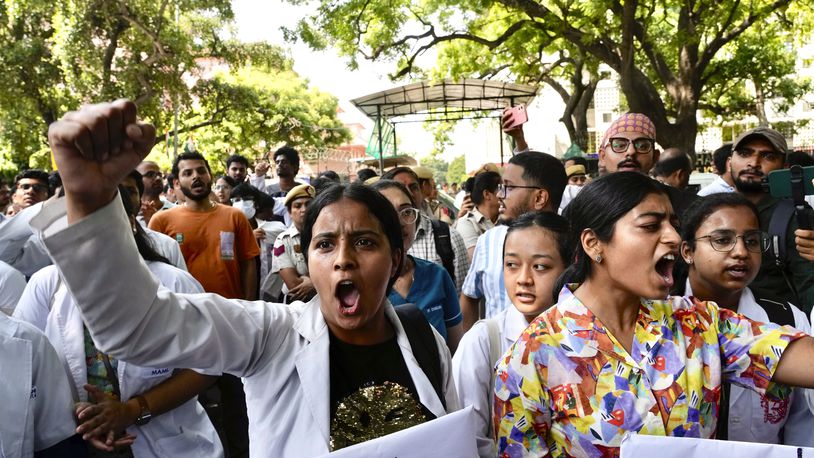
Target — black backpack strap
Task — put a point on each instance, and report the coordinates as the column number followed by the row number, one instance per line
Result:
column 443, row 246
column 778, row 310
column 425, row 349
column 778, row 226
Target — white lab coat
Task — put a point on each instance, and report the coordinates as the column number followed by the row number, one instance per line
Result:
column 19, row 247
column 182, row 432
column 282, row 351
column 36, row 409
column 753, row 418
column 167, row 246
column 12, row 284
column 474, row 373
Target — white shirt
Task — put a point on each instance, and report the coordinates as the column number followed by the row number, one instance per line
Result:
column 182, row 432
column 282, row 351
column 166, row 246
column 12, row 284
column 474, row 373
column 18, row 245
column 485, row 276
column 36, row 409
column 754, row 418
column 718, row 185
column 571, row 191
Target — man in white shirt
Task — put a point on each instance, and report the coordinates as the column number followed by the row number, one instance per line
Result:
column 724, row 181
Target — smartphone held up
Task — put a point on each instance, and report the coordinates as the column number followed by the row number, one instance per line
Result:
column 514, row 116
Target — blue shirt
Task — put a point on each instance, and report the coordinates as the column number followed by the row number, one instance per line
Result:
column 434, row 294
column 485, row 276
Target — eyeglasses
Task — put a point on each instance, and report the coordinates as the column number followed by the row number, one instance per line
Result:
column 219, row 187
column 641, row 145
column 408, row 215
column 235, row 200
column 504, row 189
column 36, row 187
column 724, row 241
column 152, row 174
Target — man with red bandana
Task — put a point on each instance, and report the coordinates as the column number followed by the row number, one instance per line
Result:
column 629, row 145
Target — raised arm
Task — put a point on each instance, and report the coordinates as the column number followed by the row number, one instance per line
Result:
column 128, row 315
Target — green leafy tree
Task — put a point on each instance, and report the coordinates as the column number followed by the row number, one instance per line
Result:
column 59, row 54
column 760, row 69
column 456, row 173
column 667, row 53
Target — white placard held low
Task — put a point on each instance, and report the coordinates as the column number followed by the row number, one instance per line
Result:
column 638, row 446
column 451, row 436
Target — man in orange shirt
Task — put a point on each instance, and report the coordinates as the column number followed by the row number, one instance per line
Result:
column 216, row 240
column 220, row 250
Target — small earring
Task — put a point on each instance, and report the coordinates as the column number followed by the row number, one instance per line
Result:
column 689, row 261
column 598, row 259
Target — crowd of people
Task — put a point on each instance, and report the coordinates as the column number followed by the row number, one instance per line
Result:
column 155, row 314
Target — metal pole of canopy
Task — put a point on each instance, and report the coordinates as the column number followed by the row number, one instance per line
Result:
column 500, row 137
column 381, row 149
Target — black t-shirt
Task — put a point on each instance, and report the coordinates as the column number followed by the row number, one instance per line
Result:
column 372, row 392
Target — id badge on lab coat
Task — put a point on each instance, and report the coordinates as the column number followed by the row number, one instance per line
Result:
column 227, row 246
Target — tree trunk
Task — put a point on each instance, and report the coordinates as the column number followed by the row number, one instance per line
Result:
column 760, row 104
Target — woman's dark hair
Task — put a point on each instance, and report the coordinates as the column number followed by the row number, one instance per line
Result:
column 693, row 218
column 701, row 209
column 393, row 184
column 468, row 185
column 261, row 199
column 377, row 205
column 598, row 206
column 321, row 183
column 229, row 180
column 145, row 247
column 555, row 224
column 331, row 175
column 364, row 174
column 484, row 181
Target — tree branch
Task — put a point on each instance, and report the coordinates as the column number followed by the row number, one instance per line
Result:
column 490, row 44
column 726, row 35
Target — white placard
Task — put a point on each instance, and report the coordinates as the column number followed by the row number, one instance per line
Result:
column 637, row 446
column 450, row 436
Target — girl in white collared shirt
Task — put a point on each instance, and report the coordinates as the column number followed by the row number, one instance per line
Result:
column 534, row 255
column 723, row 246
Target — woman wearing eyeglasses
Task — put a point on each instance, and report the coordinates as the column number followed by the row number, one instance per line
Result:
column 616, row 355
column 423, row 283
column 223, row 189
column 722, row 246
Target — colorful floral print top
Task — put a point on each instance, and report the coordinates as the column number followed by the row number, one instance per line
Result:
column 568, row 388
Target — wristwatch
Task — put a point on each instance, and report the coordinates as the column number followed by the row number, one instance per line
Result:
column 144, row 415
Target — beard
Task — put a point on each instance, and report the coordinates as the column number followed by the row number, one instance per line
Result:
column 747, row 186
column 190, row 194
column 507, row 217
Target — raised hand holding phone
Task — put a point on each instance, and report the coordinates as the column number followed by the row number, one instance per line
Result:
column 512, row 122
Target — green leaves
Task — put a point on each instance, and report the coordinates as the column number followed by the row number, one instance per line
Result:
column 170, row 57
column 671, row 56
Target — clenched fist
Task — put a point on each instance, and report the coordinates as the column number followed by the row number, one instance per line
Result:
column 94, row 149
